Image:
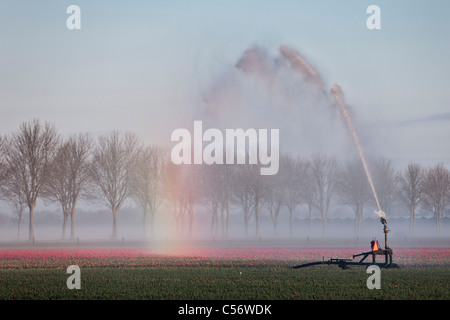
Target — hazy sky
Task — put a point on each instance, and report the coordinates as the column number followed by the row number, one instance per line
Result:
column 144, row 65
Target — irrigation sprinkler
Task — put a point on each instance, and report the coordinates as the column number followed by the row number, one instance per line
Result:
column 376, row 250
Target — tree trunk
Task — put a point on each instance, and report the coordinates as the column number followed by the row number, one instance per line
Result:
column 246, row 222
column 438, row 222
column 144, row 222
column 114, row 233
column 64, row 227
column 213, row 220
column 309, row 218
column 358, row 218
column 324, row 224
column 222, row 219
column 31, row 228
column 191, row 218
column 18, row 224
column 275, row 227
column 275, row 222
column 291, row 221
column 180, row 222
column 72, row 223
column 177, row 225
column 227, row 209
column 257, row 220
column 152, row 222
column 216, row 221
column 412, row 221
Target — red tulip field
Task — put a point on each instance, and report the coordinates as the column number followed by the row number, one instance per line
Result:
column 220, row 273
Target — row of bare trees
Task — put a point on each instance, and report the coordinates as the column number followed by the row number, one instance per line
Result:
column 425, row 187
column 317, row 182
column 37, row 163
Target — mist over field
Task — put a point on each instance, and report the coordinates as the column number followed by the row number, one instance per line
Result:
column 97, row 226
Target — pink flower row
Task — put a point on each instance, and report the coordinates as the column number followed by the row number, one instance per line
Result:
column 411, row 255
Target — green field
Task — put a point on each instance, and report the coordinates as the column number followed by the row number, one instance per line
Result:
column 232, row 281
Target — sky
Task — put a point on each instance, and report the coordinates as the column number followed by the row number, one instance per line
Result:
column 144, row 66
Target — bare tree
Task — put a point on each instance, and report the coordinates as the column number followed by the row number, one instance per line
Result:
column 29, row 156
column 172, row 192
column 13, row 196
column 436, row 192
column 290, row 179
column 243, row 194
column 3, row 149
column 217, row 188
column 227, row 178
column 354, row 190
column 3, row 170
column 113, row 162
column 324, row 171
column 308, row 188
column 190, row 179
column 259, row 194
column 411, row 187
column 147, row 182
column 276, row 195
column 212, row 193
column 70, row 176
column 182, row 191
column 18, row 206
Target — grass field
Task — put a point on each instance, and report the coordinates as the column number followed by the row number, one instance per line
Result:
column 245, row 273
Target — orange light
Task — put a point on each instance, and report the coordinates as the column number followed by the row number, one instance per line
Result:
column 375, row 246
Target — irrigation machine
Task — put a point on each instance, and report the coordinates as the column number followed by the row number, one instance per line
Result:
column 376, row 250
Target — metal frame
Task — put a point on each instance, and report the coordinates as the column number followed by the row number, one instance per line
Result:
column 345, row 263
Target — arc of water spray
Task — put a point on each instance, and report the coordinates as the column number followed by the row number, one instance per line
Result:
column 337, row 93
column 300, row 64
